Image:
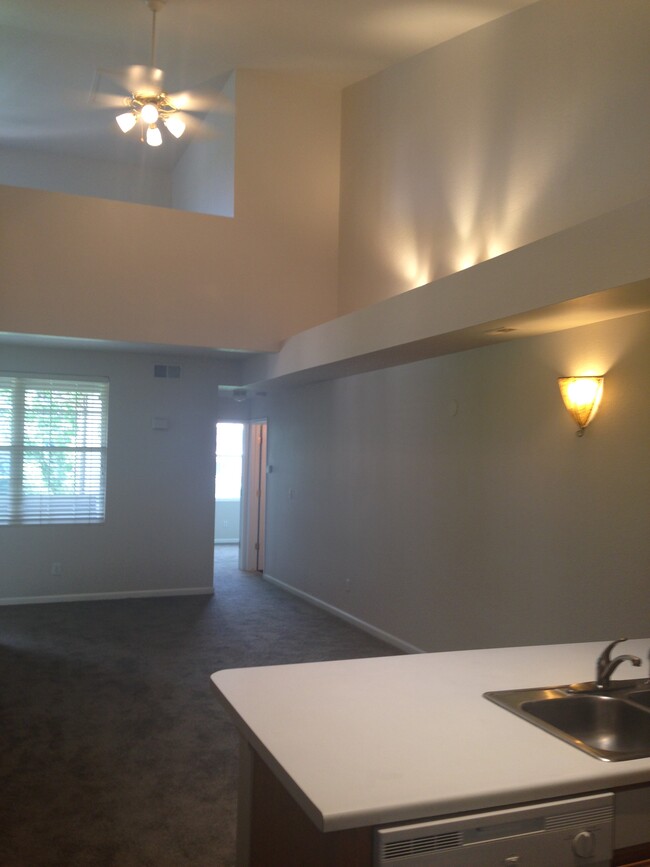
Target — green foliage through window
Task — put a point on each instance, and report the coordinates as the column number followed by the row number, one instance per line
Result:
column 52, row 450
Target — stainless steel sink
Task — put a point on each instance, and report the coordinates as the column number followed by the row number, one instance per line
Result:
column 612, row 726
column 640, row 697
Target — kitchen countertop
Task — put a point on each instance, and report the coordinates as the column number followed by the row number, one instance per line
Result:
column 369, row 741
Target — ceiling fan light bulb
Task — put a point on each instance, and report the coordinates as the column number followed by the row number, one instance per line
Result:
column 154, row 138
column 149, row 113
column 126, row 121
column 175, row 125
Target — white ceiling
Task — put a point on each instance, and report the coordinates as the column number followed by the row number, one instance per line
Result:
column 50, row 51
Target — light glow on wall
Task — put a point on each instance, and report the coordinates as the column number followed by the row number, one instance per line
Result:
column 409, row 258
column 466, row 260
column 496, row 247
column 414, row 272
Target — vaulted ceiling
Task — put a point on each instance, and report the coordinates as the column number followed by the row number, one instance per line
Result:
column 50, row 52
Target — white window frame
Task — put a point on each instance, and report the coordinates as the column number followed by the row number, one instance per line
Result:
column 72, row 439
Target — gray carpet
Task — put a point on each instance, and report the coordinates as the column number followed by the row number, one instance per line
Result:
column 114, row 751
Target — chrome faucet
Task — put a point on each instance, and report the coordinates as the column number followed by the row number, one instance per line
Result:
column 606, row 666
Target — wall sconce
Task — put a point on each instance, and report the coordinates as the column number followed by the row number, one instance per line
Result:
column 581, row 396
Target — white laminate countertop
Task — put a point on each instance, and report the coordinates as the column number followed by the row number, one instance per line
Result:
column 369, row 741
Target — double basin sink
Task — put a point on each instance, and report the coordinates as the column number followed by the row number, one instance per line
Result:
column 610, row 724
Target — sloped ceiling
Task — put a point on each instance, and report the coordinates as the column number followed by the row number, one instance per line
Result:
column 49, row 54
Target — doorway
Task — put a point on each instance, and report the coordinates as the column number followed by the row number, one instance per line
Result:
column 240, row 490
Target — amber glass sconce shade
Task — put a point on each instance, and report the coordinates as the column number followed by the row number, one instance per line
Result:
column 581, row 396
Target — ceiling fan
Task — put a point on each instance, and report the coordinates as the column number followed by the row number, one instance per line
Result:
column 148, row 107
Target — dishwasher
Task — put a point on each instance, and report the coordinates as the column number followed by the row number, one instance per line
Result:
column 563, row 833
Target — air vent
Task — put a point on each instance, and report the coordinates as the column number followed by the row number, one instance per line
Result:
column 167, row 371
column 582, row 817
column 399, row 849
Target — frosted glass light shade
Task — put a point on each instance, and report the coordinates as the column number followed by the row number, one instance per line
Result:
column 581, row 396
column 149, row 113
column 175, row 125
column 126, row 121
column 154, row 138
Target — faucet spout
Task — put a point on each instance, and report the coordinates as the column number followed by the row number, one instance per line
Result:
column 606, row 666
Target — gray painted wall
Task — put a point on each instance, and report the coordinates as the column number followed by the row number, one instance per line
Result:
column 226, row 521
column 450, row 504
column 203, row 179
column 102, row 179
column 158, row 533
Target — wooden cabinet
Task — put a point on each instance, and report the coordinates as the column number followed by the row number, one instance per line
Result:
column 633, row 856
column 281, row 835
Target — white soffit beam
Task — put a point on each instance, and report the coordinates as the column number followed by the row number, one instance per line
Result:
column 597, row 270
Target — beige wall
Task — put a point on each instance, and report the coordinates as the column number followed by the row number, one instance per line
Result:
column 157, row 537
column 450, row 504
column 518, row 129
column 94, row 268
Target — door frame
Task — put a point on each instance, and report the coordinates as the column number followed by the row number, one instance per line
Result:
column 253, row 501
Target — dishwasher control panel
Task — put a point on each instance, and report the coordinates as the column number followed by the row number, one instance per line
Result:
column 566, row 833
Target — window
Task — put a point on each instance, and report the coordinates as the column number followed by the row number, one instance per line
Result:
column 52, row 450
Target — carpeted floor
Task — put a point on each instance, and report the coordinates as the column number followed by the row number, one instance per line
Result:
column 114, row 751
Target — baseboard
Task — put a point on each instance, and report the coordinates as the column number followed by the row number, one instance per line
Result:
column 119, row 594
column 226, row 541
column 344, row 615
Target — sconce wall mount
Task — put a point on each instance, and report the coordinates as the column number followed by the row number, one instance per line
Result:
column 581, row 396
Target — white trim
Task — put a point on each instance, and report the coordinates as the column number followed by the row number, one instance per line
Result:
column 234, row 541
column 344, row 615
column 253, row 501
column 119, row 594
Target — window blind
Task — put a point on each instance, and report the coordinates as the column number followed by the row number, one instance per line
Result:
column 53, row 434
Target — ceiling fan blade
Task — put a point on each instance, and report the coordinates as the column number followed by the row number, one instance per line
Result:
column 201, row 101
column 189, row 101
column 196, row 127
column 143, row 80
column 110, row 100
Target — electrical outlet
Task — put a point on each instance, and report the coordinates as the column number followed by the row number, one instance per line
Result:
column 55, row 570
